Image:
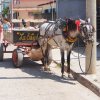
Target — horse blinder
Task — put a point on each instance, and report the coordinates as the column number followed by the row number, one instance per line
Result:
column 87, row 31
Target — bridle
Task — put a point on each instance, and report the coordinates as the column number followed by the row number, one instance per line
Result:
column 66, row 30
column 87, row 32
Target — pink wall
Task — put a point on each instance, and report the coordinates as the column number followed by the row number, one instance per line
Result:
column 30, row 3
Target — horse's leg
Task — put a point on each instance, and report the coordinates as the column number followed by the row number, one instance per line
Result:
column 62, row 62
column 68, row 62
column 46, row 68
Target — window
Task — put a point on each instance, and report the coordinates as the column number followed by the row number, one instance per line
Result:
column 16, row 2
column 30, row 13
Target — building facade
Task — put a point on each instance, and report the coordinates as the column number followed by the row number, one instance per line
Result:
column 49, row 10
column 24, row 9
column 27, row 9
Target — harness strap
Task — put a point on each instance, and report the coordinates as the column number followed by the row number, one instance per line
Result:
column 47, row 28
column 66, row 31
column 71, row 40
column 77, row 22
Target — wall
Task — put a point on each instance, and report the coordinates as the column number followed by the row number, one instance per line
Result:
column 24, row 4
column 71, row 8
column 30, row 3
column 98, row 20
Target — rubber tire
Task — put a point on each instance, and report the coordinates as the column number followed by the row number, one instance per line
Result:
column 17, row 58
column 49, row 57
column 1, row 52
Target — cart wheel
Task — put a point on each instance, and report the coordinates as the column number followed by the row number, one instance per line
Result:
column 5, row 45
column 49, row 56
column 1, row 52
column 17, row 58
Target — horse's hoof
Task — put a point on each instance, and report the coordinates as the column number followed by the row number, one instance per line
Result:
column 46, row 69
column 63, row 76
column 70, row 76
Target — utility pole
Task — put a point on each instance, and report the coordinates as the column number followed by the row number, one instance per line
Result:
column 57, row 9
column 91, row 48
column 52, row 6
column 12, row 5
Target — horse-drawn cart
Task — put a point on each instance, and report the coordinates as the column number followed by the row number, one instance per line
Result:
column 26, row 41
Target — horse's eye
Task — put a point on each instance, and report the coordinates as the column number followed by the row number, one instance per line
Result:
column 85, row 29
column 92, row 29
column 89, row 34
column 64, row 29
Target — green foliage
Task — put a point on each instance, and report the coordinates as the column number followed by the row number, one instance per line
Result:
column 5, row 12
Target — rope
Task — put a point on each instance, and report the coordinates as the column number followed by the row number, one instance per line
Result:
column 79, row 59
column 78, row 51
column 89, row 63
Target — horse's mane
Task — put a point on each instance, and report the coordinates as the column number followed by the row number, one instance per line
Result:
column 71, row 25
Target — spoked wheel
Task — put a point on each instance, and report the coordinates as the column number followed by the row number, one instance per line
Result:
column 49, row 57
column 1, row 52
column 17, row 58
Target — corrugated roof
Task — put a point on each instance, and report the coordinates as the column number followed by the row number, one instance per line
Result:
column 47, row 3
column 37, row 2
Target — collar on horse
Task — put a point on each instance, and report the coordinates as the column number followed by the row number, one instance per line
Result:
column 71, row 25
column 71, row 40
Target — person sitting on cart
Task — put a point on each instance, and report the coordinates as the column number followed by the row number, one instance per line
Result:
column 6, row 24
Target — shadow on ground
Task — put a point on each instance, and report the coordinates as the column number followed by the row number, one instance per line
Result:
column 35, row 71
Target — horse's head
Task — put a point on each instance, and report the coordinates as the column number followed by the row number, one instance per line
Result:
column 69, row 30
column 86, row 30
column 72, row 28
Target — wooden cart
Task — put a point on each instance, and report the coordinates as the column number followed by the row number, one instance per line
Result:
column 27, row 44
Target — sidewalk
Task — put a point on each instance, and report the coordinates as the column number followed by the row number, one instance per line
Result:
column 90, row 81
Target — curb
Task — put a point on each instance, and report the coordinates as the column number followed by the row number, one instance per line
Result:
column 83, row 81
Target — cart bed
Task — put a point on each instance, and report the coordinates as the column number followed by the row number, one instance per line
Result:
column 21, row 37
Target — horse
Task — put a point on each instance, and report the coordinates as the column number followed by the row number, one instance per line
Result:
column 63, row 34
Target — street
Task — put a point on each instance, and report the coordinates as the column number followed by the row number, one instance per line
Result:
column 30, row 82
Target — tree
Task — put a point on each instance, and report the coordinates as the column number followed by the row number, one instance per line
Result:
column 5, row 12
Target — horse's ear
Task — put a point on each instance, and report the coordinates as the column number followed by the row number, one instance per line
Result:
column 82, row 21
column 88, row 20
column 65, row 18
column 93, row 29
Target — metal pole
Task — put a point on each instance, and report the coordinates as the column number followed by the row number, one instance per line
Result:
column 57, row 8
column 52, row 10
column 91, row 13
column 12, row 9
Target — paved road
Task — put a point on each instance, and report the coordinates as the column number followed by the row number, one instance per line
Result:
column 31, row 83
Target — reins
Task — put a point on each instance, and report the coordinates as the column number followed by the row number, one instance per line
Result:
column 80, row 61
column 89, row 62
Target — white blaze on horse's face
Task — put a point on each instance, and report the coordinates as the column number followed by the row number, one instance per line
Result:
column 73, row 34
column 87, row 30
